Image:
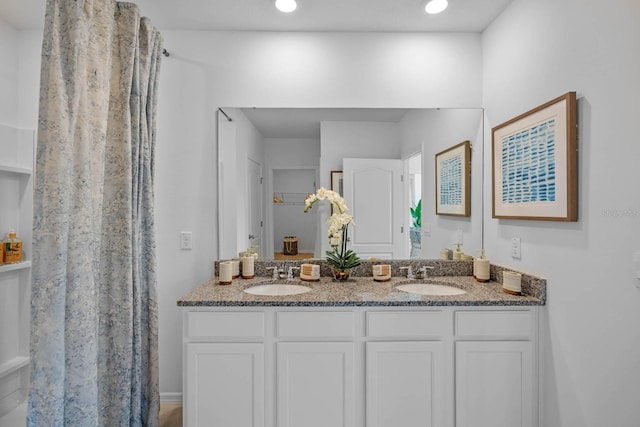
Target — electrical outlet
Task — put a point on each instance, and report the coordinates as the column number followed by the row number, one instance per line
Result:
column 459, row 241
column 426, row 230
column 185, row 240
column 516, row 248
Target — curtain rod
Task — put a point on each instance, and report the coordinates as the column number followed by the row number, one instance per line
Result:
column 225, row 114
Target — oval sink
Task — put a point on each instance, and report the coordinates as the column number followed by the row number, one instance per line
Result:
column 430, row 289
column 277, row 289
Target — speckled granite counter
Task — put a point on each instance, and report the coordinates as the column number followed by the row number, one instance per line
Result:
column 364, row 291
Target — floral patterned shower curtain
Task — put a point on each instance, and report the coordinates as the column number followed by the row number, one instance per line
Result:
column 94, row 303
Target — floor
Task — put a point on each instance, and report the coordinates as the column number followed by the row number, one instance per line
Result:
column 301, row 255
column 170, row 416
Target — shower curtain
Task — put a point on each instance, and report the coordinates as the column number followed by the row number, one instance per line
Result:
column 94, row 359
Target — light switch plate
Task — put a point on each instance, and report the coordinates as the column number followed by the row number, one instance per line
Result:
column 516, row 248
column 185, row 240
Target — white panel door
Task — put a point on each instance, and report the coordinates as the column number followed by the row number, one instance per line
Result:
column 224, row 385
column 373, row 193
column 404, row 384
column 315, row 384
column 494, row 384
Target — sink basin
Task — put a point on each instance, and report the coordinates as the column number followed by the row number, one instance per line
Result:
column 277, row 289
column 430, row 289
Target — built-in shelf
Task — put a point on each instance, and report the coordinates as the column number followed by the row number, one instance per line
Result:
column 289, row 199
column 17, row 266
column 13, row 365
column 16, row 169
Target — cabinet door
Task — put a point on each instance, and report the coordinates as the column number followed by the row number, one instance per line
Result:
column 315, row 384
column 404, row 384
column 494, row 384
column 224, row 385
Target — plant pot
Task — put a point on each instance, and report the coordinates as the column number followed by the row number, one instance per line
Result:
column 341, row 274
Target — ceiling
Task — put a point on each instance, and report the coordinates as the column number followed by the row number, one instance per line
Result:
column 311, row 15
column 305, row 122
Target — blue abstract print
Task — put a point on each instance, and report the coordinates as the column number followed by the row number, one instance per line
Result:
column 529, row 166
column 451, row 181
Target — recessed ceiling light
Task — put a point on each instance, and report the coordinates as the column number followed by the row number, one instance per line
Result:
column 436, row 6
column 286, row 6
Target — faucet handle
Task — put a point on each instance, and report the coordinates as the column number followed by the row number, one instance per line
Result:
column 409, row 271
column 290, row 272
column 423, row 270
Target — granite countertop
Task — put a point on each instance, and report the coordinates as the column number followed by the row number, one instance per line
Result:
column 357, row 291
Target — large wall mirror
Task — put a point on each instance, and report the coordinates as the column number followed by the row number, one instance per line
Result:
column 270, row 159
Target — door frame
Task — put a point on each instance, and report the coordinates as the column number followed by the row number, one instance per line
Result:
column 249, row 159
column 406, row 197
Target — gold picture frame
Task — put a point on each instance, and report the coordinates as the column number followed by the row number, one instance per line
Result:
column 453, row 180
column 535, row 164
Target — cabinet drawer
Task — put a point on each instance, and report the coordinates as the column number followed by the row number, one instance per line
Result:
column 231, row 324
column 411, row 324
column 335, row 324
column 511, row 324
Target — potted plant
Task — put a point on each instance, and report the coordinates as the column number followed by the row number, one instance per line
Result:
column 414, row 230
column 341, row 259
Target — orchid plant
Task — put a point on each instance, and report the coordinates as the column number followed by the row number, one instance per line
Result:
column 340, row 257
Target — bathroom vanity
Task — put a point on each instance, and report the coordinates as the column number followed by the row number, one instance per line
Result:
column 361, row 353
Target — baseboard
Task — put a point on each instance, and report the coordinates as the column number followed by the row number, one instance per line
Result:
column 170, row 397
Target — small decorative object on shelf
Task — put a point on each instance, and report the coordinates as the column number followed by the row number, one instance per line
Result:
column 342, row 260
column 12, row 249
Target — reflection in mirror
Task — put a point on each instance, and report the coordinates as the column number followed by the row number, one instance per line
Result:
column 271, row 158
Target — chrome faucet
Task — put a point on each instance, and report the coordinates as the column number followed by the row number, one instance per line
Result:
column 276, row 272
column 290, row 272
column 423, row 270
column 409, row 272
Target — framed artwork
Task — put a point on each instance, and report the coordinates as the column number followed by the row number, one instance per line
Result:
column 336, row 184
column 453, row 180
column 535, row 163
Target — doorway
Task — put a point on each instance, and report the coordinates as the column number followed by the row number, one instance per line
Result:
column 413, row 168
column 289, row 221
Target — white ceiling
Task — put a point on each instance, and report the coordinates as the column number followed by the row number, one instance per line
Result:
column 311, row 15
column 305, row 122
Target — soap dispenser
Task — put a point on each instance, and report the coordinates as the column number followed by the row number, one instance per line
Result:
column 482, row 268
column 457, row 254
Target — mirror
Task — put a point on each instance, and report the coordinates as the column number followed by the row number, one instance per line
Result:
column 270, row 159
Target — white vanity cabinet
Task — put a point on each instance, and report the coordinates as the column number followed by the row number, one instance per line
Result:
column 360, row 366
column 315, row 380
column 405, row 368
column 496, row 368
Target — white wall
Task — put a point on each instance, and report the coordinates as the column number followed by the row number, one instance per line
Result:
column 208, row 70
column 433, row 131
column 534, row 52
column 8, row 74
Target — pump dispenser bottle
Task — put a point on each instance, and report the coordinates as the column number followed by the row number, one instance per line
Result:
column 482, row 268
column 457, row 254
